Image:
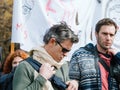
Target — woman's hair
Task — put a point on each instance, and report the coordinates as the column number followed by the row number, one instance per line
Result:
column 9, row 59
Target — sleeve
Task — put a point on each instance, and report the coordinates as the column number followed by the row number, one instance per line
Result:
column 65, row 69
column 3, row 78
column 74, row 71
column 24, row 78
column 117, row 57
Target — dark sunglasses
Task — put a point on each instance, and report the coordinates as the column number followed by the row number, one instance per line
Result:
column 64, row 50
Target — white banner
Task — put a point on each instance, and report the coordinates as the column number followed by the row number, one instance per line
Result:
column 31, row 19
column 112, row 11
column 109, row 9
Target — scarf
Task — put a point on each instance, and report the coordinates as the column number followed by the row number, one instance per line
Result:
column 42, row 56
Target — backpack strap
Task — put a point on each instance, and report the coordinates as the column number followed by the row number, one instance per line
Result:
column 54, row 79
column 104, row 65
column 35, row 64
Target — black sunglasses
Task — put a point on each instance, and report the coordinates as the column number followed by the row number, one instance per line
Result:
column 64, row 50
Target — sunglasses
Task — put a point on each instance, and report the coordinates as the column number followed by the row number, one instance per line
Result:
column 64, row 50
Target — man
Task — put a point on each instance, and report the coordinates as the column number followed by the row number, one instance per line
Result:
column 58, row 42
column 85, row 64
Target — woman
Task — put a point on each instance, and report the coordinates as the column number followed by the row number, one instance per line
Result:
column 11, row 62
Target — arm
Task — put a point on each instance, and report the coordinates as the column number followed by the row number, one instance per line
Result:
column 72, row 84
column 3, row 78
column 74, row 73
column 24, row 78
column 74, row 70
column 117, row 57
column 115, row 53
column 63, row 74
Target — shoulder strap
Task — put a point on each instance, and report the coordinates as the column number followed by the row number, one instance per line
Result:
column 35, row 64
column 104, row 64
column 54, row 79
column 93, row 49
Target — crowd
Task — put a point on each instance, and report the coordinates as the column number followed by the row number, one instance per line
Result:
column 90, row 68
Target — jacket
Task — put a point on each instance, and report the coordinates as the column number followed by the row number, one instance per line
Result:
column 84, row 68
column 28, row 80
column 6, row 80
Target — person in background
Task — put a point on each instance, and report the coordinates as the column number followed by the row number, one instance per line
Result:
column 0, row 60
column 11, row 62
column 58, row 41
column 0, row 68
column 85, row 64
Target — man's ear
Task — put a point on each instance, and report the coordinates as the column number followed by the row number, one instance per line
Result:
column 96, row 34
column 52, row 41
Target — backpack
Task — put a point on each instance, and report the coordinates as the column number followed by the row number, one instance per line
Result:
column 55, row 81
column 6, row 81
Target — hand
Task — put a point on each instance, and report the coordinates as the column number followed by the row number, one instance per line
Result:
column 112, row 51
column 72, row 85
column 46, row 70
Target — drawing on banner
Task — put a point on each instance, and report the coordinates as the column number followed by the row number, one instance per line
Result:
column 113, row 12
column 22, row 14
column 49, row 8
column 27, row 7
column 61, row 11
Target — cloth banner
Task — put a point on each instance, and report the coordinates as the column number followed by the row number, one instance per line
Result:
column 32, row 18
column 109, row 9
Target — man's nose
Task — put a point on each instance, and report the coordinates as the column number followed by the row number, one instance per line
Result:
column 65, row 54
column 108, row 37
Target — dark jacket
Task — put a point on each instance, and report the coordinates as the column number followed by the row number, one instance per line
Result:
column 84, row 68
column 6, row 81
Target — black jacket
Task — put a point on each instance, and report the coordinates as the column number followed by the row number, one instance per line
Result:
column 6, row 81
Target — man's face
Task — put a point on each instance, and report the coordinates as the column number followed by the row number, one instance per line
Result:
column 60, row 50
column 105, row 37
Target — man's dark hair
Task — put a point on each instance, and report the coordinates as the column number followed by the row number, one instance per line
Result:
column 60, row 32
column 105, row 21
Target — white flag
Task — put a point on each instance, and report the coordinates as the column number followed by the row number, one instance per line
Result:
column 31, row 19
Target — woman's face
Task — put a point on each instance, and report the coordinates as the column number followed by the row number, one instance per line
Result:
column 16, row 61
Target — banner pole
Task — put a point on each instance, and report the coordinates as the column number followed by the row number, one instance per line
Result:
column 12, row 47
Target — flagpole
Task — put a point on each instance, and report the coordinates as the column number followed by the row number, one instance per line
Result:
column 12, row 47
